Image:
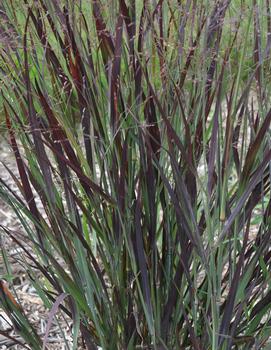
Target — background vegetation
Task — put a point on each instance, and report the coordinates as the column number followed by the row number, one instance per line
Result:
column 143, row 128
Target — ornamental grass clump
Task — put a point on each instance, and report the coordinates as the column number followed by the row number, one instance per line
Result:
column 141, row 134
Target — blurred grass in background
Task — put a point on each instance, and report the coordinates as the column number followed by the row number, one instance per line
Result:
column 143, row 128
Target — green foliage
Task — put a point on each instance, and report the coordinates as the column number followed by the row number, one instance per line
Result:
column 143, row 128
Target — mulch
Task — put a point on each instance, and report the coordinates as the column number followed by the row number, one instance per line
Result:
column 22, row 289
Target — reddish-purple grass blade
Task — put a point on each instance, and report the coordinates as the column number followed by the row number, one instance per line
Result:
column 28, row 194
column 106, row 41
column 254, row 148
column 51, row 316
column 140, row 253
column 115, row 78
